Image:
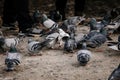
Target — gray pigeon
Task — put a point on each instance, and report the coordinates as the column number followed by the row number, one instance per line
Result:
column 115, row 75
column 94, row 25
column 71, row 21
column 55, row 15
column 94, row 39
column 71, row 29
column 83, row 55
column 12, row 59
column 36, row 16
column 70, row 43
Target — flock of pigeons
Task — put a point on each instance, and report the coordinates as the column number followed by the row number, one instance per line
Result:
column 66, row 33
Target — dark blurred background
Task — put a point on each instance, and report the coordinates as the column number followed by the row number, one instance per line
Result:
column 92, row 7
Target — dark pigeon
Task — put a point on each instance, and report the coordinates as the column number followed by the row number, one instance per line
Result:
column 55, row 15
column 94, row 39
column 115, row 75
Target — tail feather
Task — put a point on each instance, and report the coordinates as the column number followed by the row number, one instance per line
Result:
column 44, row 43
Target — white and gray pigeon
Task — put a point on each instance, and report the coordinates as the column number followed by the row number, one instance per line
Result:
column 115, row 75
column 113, row 26
column 84, row 55
column 115, row 45
column 35, row 46
column 53, row 39
column 6, row 42
column 47, row 22
column 56, row 37
column 12, row 59
column 49, row 42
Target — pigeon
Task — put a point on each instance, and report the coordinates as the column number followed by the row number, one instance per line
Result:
column 76, row 20
column 6, row 42
column 70, row 43
column 48, row 23
column 94, row 39
column 55, row 15
column 9, row 41
column 115, row 13
column 36, row 46
column 53, row 38
column 84, row 55
column 95, row 25
column 36, row 16
column 115, row 75
column 12, row 59
column 71, row 29
column 114, row 45
column 113, row 26
column 57, row 35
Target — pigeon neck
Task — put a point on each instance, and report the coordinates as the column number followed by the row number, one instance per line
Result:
column 44, row 18
column 103, row 31
column 84, row 46
column 13, row 50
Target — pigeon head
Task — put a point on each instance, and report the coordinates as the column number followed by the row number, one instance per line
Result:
column 10, row 65
column 83, row 58
column 115, row 12
column 43, row 18
column 37, row 13
column 93, row 23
